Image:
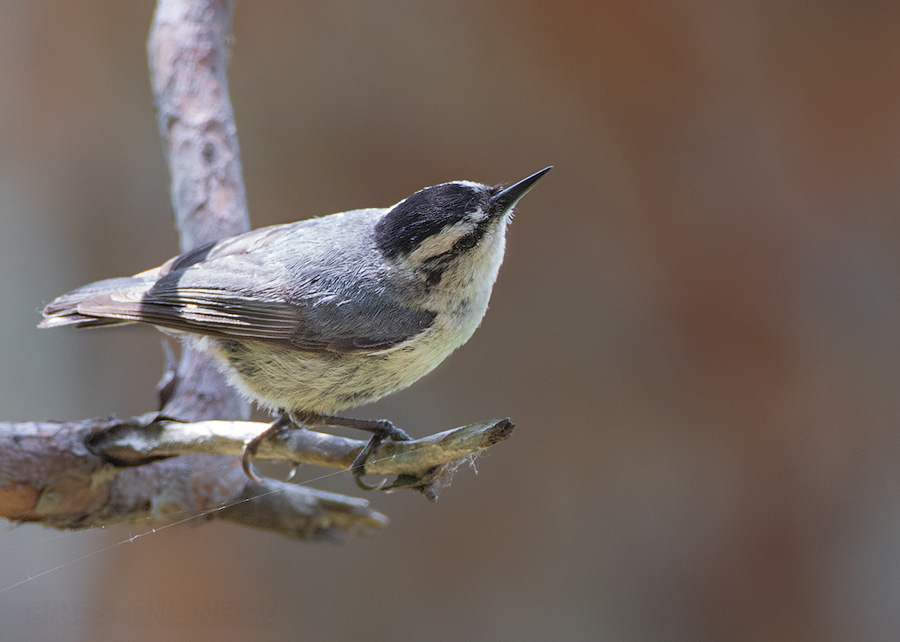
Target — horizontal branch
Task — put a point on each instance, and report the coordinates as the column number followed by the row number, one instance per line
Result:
column 49, row 476
column 420, row 463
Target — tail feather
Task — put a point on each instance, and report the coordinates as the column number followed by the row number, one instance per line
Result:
column 64, row 310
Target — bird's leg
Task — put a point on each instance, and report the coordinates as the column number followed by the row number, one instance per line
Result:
column 284, row 421
column 380, row 429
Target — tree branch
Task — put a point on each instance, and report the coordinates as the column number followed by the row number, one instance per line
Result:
column 187, row 53
column 422, row 464
column 49, row 476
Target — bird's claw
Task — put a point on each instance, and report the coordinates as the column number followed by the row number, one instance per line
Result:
column 358, row 468
column 250, row 450
column 388, row 430
column 252, row 446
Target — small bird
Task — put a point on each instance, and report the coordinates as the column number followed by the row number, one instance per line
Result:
column 313, row 317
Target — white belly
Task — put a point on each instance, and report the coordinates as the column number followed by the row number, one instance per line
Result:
column 279, row 378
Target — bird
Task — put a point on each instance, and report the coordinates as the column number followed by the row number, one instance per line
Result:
column 310, row 318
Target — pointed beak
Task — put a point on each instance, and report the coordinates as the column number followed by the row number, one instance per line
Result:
column 503, row 201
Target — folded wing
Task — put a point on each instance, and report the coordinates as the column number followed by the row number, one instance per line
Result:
column 234, row 293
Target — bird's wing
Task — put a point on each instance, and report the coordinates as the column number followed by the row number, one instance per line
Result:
column 246, row 295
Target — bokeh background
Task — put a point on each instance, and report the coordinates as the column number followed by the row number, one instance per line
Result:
column 695, row 329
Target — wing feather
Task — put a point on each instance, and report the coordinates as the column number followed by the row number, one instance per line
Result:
column 289, row 285
column 205, row 299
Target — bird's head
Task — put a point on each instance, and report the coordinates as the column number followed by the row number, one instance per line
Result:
column 452, row 233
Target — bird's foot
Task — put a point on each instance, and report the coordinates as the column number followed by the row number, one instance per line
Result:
column 381, row 429
column 284, row 421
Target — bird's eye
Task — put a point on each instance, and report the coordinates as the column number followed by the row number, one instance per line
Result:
column 466, row 242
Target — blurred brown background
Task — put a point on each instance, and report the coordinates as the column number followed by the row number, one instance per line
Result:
column 695, row 330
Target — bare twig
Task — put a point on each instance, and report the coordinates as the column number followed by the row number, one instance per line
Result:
column 142, row 440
